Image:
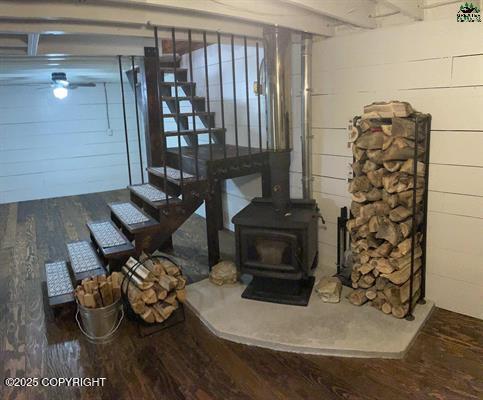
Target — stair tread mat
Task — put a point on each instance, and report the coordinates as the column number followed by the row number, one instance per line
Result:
column 128, row 213
column 106, row 234
column 83, row 257
column 58, row 279
column 172, row 173
column 149, row 192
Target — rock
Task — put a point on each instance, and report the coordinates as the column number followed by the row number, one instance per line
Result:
column 223, row 272
column 329, row 289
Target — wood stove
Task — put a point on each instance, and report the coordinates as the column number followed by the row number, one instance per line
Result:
column 278, row 250
column 276, row 237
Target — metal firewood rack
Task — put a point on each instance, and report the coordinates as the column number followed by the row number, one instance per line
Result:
column 422, row 127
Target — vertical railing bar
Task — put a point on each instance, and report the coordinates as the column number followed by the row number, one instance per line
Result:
column 234, row 93
column 125, row 120
column 207, row 84
column 220, row 71
column 414, row 217
column 161, row 118
column 176, row 105
column 258, row 100
column 135, row 81
column 424, row 228
column 197, row 171
column 247, row 91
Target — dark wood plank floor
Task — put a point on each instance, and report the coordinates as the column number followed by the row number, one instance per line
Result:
column 186, row 361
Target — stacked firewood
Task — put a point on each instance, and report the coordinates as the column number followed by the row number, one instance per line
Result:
column 154, row 287
column 99, row 291
column 383, row 144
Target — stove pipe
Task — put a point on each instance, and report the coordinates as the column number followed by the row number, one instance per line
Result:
column 278, row 94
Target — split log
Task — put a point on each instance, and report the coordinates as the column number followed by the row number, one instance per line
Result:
column 369, row 166
column 360, row 184
column 375, row 272
column 375, row 177
column 375, row 223
column 140, row 270
column 402, row 275
column 355, row 208
column 400, row 311
column 389, row 109
column 355, row 285
column 406, row 198
column 383, row 250
column 181, row 295
column 387, row 129
column 357, row 168
column 372, row 195
column 376, row 156
column 358, row 297
column 390, row 199
column 405, row 127
column 355, row 275
column 399, row 182
column 392, row 166
column 389, row 231
column 381, row 283
column 386, row 308
column 399, row 214
column 359, row 154
column 383, row 265
column 377, row 303
column 397, row 295
column 366, row 124
column 366, row 281
column 381, row 208
column 372, row 242
column 405, row 260
column 370, row 140
column 408, row 167
column 371, row 293
column 356, row 131
column 364, row 257
column 168, row 282
column 400, row 149
column 366, row 268
column 148, row 316
column 134, row 278
column 406, row 227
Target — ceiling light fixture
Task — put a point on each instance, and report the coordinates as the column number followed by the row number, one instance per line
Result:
column 60, row 92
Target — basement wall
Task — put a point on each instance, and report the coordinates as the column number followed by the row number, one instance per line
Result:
column 51, row 148
column 437, row 66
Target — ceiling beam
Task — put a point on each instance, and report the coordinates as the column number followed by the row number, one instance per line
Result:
column 33, row 44
column 353, row 12
column 410, row 8
column 239, row 18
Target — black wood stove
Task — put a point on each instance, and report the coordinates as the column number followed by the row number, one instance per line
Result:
column 276, row 237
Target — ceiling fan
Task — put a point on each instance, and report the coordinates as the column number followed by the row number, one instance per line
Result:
column 62, row 86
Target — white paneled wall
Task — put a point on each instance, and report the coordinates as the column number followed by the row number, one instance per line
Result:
column 437, row 66
column 51, row 147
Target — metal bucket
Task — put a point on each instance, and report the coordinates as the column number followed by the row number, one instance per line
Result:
column 100, row 324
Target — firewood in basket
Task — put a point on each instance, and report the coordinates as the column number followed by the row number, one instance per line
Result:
column 397, row 295
column 161, row 292
column 399, row 214
column 164, row 310
column 405, row 260
column 355, row 133
column 401, row 149
column 366, row 268
column 406, row 198
column 149, row 296
column 383, row 250
column 140, row 270
column 387, row 142
column 383, row 265
column 357, row 168
column 360, row 184
column 170, row 268
column 181, row 282
column 390, row 109
column 400, row 311
column 80, row 293
column 408, row 167
column 386, row 308
column 381, row 283
column 116, row 279
column 371, row 293
column 358, row 153
column 171, row 298
column 134, row 279
column 168, row 282
column 405, row 127
column 375, row 177
column 148, row 316
column 181, row 295
column 372, row 195
column 390, row 199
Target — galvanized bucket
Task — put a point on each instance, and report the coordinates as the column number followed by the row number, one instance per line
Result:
column 100, row 324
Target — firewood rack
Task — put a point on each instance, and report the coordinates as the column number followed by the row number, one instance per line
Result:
column 422, row 126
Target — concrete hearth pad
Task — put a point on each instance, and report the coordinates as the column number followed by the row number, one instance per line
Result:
column 320, row 328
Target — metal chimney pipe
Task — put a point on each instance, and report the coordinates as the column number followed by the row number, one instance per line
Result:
column 307, row 184
column 278, row 86
column 278, row 95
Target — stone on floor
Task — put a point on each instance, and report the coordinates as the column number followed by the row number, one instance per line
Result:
column 329, row 289
column 224, row 272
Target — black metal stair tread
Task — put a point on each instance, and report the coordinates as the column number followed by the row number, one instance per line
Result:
column 192, row 131
column 84, row 260
column 188, row 114
column 182, row 98
column 172, row 174
column 171, row 69
column 110, row 241
column 131, row 217
column 178, row 83
column 218, row 151
column 60, row 290
column 152, row 195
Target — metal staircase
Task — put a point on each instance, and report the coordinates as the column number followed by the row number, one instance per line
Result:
column 180, row 179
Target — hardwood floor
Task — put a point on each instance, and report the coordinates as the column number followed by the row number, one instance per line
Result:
column 186, row 361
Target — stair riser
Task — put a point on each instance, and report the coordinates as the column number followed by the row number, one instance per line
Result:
column 147, row 208
column 172, row 160
column 181, row 75
column 171, row 188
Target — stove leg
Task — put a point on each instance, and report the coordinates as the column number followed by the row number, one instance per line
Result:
column 212, row 224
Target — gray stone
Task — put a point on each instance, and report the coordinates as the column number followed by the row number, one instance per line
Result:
column 224, row 272
column 328, row 289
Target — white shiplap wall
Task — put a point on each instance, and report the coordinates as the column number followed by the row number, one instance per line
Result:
column 437, row 66
column 51, row 148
